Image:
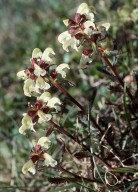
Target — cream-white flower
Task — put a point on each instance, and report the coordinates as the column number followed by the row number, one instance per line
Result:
column 47, row 55
column 60, row 69
column 39, row 71
column 88, row 25
column 50, row 101
column 65, row 21
column 43, row 116
column 29, row 87
column 44, row 142
column 37, row 53
column 45, row 97
column 53, row 101
column 84, row 9
column 41, row 84
column 22, row 75
column 68, row 41
column 49, row 160
column 34, row 86
column 26, row 124
column 22, row 129
column 29, row 167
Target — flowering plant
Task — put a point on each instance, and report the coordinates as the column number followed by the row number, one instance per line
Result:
column 88, row 37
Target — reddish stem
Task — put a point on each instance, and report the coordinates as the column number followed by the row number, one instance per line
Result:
column 75, row 102
column 81, row 107
column 117, row 75
column 67, row 94
column 62, row 130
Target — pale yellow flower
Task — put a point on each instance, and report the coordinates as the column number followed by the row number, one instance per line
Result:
column 29, row 167
column 26, row 124
column 49, row 161
column 61, row 69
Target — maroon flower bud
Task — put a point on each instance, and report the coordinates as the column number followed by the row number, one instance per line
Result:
column 35, row 158
column 42, row 64
column 37, row 148
column 45, row 109
column 71, row 22
column 31, row 113
column 87, row 51
column 31, row 69
column 54, row 74
column 38, row 104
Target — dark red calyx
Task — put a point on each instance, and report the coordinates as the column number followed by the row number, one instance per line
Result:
column 35, row 118
column 37, row 148
column 78, row 36
column 31, row 113
column 45, row 109
column 38, row 104
column 35, row 158
column 54, row 73
column 32, row 76
column 42, row 64
column 71, row 22
column 31, row 69
column 87, row 51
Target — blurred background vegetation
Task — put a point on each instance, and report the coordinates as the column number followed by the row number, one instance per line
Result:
column 25, row 25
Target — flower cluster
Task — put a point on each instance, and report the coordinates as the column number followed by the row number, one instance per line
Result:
column 37, row 75
column 38, row 153
column 82, row 32
column 37, row 80
column 39, row 112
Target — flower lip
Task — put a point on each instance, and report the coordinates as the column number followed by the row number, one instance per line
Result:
column 29, row 167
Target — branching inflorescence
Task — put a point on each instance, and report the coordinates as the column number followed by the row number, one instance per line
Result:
column 85, row 35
